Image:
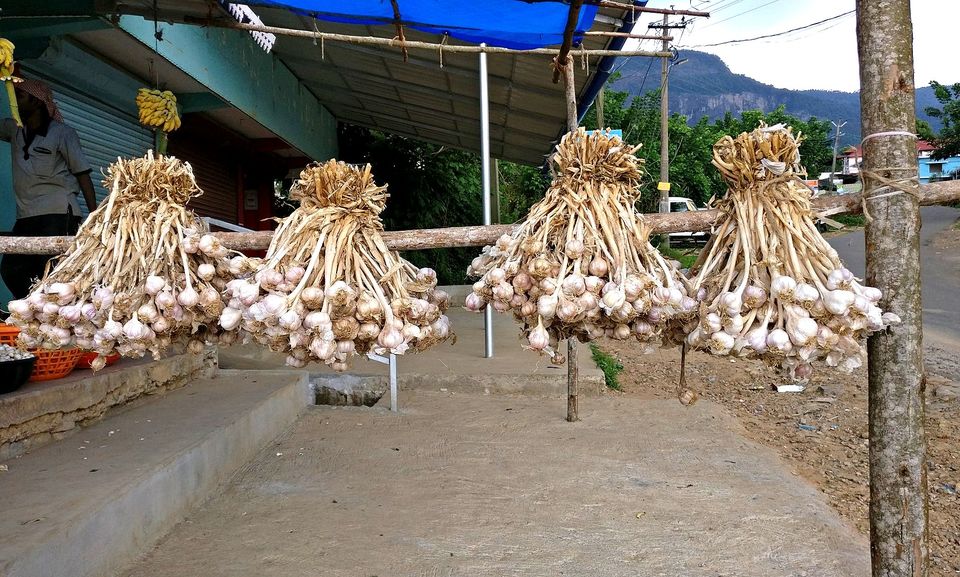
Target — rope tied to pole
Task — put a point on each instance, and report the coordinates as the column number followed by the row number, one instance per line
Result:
column 887, row 186
column 440, row 47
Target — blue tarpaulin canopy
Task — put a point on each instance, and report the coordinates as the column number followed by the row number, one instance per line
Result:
column 518, row 24
column 430, row 94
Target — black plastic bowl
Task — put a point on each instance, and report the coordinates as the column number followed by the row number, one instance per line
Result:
column 14, row 373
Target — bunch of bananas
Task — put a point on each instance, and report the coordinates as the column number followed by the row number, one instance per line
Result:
column 158, row 109
column 7, row 77
column 6, row 57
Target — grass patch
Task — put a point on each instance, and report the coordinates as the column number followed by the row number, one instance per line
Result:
column 686, row 256
column 850, row 220
column 610, row 366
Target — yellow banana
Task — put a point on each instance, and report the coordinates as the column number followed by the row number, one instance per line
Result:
column 6, row 71
column 158, row 109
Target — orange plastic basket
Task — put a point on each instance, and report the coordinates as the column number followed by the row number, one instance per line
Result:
column 54, row 363
column 51, row 363
column 8, row 334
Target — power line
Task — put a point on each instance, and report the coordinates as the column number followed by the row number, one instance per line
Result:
column 741, row 13
column 775, row 34
column 723, row 5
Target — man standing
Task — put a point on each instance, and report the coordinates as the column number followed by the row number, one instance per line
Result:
column 49, row 170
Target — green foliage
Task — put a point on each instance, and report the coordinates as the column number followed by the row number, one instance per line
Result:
column 691, row 174
column 520, row 187
column 850, row 220
column 685, row 257
column 691, row 146
column 816, row 149
column 432, row 186
column 610, row 365
column 948, row 141
column 925, row 131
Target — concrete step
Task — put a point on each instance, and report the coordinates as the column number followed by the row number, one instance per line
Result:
column 90, row 504
column 458, row 365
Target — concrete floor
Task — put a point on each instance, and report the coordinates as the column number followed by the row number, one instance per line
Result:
column 491, row 485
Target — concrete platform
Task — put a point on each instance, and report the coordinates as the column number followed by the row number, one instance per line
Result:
column 44, row 411
column 473, row 485
column 460, row 366
column 89, row 504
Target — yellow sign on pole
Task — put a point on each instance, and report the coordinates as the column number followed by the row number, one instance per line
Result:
column 665, row 186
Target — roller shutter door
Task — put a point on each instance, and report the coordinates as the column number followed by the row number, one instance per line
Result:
column 105, row 132
column 216, row 175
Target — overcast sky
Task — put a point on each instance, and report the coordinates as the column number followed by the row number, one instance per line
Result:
column 823, row 56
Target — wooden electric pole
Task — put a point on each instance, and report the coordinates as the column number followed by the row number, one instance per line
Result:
column 899, row 541
column 664, row 185
column 836, row 145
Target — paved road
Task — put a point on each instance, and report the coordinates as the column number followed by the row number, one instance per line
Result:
column 940, row 272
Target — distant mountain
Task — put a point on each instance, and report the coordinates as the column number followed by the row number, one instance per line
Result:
column 705, row 86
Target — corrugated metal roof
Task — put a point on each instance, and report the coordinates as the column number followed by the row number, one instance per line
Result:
column 372, row 86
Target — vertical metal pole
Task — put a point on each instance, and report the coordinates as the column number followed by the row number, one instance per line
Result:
column 573, row 369
column 485, row 170
column 664, row 185
column 394, row 400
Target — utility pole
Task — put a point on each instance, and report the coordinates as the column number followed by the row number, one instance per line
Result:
column 899, row 538
column 664, row 185
column 836, row 145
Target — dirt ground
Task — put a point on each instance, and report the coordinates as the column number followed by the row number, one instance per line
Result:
column 822, row 432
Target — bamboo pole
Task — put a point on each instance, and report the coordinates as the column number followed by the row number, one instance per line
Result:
column 629, row 35
column 642, row 9
column 464, row 236
column 409, row 44
column 899, row 539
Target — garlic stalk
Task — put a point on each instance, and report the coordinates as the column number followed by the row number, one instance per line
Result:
column 769, row 278
column 585, row 238
column 328, row 288
column 113, row 291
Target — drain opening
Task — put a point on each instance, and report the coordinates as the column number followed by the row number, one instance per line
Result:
column 356, row 398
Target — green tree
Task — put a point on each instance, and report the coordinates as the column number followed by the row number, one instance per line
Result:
column 948, row 141
column 691, row 174
column 520, row 187
column 691, row 145
column 925, row 131
column 816, row 150
column 433, row 186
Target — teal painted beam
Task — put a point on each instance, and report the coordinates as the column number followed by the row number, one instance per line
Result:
column 49, row 8
column 46, row 27
column 199, row 102
column 230, row 65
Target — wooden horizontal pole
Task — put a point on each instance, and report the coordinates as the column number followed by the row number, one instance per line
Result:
column 463, row 236
column 629, row 35
column 646, row 9
column 412, row 44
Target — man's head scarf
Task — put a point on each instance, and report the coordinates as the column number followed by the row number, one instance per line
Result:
column 41, row 91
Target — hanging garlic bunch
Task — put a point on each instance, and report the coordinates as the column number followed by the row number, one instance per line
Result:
column 775, row 289
column 328, row 287
column 141, row 274
column 580, row 264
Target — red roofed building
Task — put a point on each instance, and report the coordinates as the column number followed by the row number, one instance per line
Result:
column 929, row 168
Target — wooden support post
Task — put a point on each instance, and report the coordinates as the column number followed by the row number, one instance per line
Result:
column 573, row 15
column 899, row 541
column 573, row 370
column 573, row 378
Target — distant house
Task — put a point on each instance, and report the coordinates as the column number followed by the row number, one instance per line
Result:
column 929, row 169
